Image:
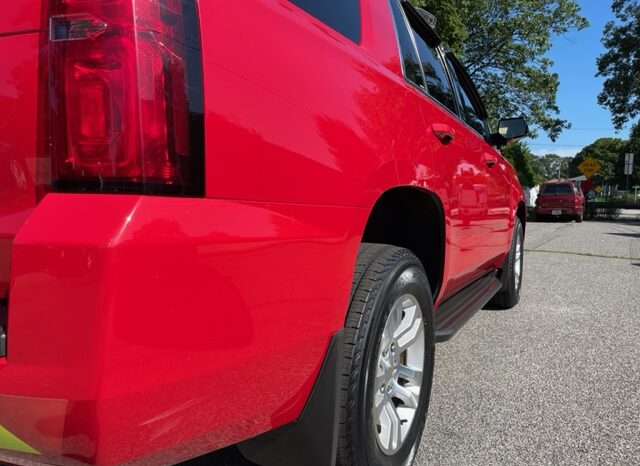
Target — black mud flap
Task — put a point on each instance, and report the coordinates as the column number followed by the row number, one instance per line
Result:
column 312, row 440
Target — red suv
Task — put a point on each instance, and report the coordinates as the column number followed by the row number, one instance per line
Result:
column 560, row 198
column 239, row 223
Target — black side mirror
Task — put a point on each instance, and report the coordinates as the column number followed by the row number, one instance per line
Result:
column 509, row 129
column 513, row 128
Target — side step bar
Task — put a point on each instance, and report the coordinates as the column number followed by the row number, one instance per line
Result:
column 452, row 314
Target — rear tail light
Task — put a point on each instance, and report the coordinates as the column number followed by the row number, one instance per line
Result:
column 125, row 96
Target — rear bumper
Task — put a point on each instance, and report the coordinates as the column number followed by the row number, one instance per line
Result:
column 162, row 328
column 565, row 210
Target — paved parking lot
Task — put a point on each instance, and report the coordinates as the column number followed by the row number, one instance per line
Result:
column 555, row 380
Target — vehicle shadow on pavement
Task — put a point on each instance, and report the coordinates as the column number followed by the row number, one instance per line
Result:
column 629, row 235
column 229, row 456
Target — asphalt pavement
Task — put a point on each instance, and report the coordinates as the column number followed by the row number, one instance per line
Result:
column 554, row 381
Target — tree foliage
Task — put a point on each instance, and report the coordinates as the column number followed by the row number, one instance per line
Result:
column 634, row 142
column 504, row 43
column 620, row 64
column 519, row 155
column 550, row 166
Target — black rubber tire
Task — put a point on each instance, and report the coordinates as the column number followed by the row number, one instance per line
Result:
column 509, row 295
column 579, row 218
column 382, row 274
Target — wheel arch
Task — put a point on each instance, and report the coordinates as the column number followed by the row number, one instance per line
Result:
column 521, row 213
column 412, row 218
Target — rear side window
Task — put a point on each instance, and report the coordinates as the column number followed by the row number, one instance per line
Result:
column 410, row 61
column 558, row 189
column 341, row 15
column 438, row 84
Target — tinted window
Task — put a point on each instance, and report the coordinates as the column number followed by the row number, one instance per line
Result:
column 438, row 84
column 469, row 112
column 408, row 51
column 558, row 189
column 341, row 15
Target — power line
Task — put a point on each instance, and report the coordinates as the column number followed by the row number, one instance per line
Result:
column 591, row 129
column 557, row 145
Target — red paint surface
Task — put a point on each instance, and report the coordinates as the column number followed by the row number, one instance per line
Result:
column 168, row 327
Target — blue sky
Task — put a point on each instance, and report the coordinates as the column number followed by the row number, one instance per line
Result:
column 575, row 56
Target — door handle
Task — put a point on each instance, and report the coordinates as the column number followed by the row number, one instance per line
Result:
column 490, row 160
column 443, row 132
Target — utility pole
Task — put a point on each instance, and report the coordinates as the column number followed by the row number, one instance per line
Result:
column 628, row 167
column 560, row 169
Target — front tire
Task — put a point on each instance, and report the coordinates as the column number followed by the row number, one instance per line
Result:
column 388, row 359
column 512, row 271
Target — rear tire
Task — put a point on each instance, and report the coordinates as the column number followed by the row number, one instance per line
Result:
column 388, row 359
column 512, row 270
column 579, row 217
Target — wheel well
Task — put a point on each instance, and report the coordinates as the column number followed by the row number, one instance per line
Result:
column 411, row 218
column 521, row 213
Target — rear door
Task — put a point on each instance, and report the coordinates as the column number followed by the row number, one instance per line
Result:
column 19, row 48
column 458, row 165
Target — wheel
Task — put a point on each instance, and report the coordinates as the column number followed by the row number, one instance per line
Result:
column 579, row 217
column 512, row 270
column 388, row 359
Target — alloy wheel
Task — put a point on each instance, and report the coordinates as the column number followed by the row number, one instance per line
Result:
column 398, row 378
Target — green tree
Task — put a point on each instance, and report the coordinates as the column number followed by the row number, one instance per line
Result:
column 504, row 43
column 609, row 152
column 620, row 64
column 550, row 166
column 519, row 155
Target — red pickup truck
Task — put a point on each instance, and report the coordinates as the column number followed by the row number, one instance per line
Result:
column 238, row 223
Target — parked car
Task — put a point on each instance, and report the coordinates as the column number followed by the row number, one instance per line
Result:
column 238, row 223
column 560, row 199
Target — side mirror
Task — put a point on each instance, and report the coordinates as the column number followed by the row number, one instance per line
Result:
column 509, row 129
column 513, row 128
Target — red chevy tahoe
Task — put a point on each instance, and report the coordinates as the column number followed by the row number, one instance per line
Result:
column 238, row 222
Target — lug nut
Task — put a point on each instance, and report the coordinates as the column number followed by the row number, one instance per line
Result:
column 382, row 389
column 385, row 353
column 393, row 346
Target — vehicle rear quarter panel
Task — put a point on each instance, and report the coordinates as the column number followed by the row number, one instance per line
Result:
column 20, row 16
column 297, row 113
column 168, row 327
column 18, row 131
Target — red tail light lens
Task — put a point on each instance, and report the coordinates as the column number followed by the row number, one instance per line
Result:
column 125, row 96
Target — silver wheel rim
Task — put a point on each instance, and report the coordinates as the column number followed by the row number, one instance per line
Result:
column 517, row 266
column 398, row 377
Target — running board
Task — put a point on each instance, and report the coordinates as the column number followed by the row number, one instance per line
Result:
column 457, row 310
